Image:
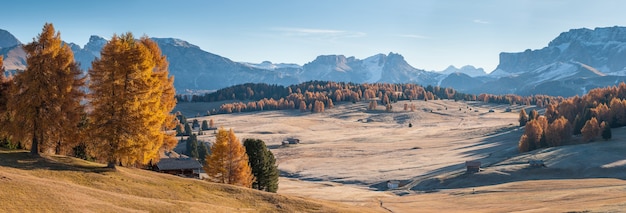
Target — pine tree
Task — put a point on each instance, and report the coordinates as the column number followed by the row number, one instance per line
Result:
column 46, row 97
column 228, row 161
column 192, row 146
column 263, row 165
column 203, row 152
column 187, row 130
column 131, row 97
column 606, row 131
column 205, row 125
column 523, row 117
column 533, row 115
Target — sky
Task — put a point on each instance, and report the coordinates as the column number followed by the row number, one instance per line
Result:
column 430, row 34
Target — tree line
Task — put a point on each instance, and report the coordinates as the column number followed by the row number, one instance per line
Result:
column 309, row 96
column 591, row 116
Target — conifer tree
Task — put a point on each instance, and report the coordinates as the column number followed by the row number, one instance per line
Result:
column 131, row 97
column 533, row 115
column 205, row 125
column 192, row 146
column 187, row 130
column 228, row 161
column 5, row 85
column 606, row 131
column 164, row 90
column 590, row 130
column 263, row 165
column 523, row 117
column 203, row 152
column 47, row 95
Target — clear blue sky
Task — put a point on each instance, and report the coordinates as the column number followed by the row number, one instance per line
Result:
column 430, row 34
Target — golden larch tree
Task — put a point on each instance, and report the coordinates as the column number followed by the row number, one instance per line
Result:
column 228, row 161
column 590, row 130
column 130, row 100
column 5, row 85
column 46, row 97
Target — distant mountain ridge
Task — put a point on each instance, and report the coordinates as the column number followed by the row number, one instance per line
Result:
column 572, row 64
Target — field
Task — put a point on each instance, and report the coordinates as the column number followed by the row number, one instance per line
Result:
column 347, row 154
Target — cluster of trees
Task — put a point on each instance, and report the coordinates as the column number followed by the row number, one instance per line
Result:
column 184, row 128
column 249, row 165
column 309, row 96
column 255, row 97
column 592, row 116
column 131, row 95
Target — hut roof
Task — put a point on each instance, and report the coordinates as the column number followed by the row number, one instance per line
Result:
column 178, row 164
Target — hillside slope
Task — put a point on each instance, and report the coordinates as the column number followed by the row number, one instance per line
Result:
column 64, row 184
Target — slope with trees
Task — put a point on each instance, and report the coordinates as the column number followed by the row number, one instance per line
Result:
column 256, row 97
column 592, row 115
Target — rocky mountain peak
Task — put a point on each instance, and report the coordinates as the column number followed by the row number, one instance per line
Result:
column 597, row 35
column 7, row 39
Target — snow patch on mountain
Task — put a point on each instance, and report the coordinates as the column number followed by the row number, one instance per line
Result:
column 175, row 42
column 268, row 65
column 373, row 65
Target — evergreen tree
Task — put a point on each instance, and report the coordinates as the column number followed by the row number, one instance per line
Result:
column 228, row 161
column 263, row 165
column 131, row 97
column 187, row 130
column 192, row 146
column 203, row 152
column 523, row 117
column 606, row 131
column 533, row 115
column 46, row 97
column 205, row 125
column 195, row 123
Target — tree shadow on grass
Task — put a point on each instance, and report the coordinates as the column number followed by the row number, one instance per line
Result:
column 24, row 160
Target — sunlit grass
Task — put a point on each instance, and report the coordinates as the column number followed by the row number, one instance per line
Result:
column 64, row 184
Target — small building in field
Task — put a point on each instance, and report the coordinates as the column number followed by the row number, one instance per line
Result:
column 184, row 167
column 291, row 141
column 536, row 163
column 393, row 184
column 472, row 166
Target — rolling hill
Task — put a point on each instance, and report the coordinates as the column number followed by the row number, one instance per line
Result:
column 64, row 184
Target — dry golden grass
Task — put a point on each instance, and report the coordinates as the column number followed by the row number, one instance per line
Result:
column 569, row 195
column 348, row 153
column 64, row 184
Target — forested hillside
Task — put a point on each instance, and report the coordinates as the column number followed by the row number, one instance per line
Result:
column 318, row 95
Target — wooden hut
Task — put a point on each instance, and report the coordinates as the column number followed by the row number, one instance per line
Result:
column 472, row 166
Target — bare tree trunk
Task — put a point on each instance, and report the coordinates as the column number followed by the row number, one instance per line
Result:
column 34, row 148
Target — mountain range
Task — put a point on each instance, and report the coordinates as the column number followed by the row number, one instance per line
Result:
column 572, row 64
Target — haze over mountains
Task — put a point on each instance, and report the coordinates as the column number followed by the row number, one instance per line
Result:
column 572, row 64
